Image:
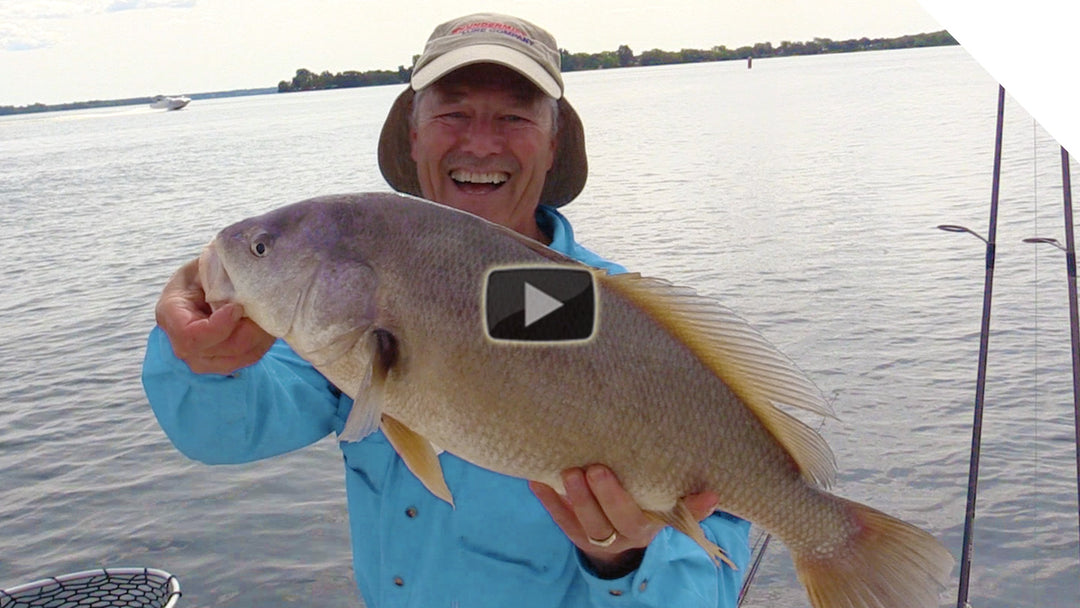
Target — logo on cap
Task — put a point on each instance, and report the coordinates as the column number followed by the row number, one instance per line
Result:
column 540, row 304
column 481, row 27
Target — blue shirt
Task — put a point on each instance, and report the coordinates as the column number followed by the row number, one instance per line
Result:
column 498, row 547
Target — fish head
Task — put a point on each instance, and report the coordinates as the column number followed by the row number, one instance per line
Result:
column 294, row 278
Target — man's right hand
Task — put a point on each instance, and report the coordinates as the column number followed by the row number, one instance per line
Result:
column 220, row 342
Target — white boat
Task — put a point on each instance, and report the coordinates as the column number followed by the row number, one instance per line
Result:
column 162, row 102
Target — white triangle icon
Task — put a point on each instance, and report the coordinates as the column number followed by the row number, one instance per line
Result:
column 538, row 305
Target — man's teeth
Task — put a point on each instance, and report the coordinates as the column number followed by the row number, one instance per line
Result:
column 471, row 177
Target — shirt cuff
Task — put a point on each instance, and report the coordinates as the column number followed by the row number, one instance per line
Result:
column 676, row 571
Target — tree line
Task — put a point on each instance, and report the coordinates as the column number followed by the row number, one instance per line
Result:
column 306, row 80
column 624, row 57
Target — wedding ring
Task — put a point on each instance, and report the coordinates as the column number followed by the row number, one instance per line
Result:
column 607, row 542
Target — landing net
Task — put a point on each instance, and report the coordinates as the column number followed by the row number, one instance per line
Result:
column 105, row 588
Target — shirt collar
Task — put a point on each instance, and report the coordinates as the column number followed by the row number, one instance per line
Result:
column 556, row 227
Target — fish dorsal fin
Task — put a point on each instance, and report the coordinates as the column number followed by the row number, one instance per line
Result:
column 419, row 456
column 755, row 370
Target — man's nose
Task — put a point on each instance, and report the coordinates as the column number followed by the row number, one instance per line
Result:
column 483, row 137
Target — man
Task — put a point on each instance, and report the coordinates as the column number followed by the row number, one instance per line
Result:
column 483, row 127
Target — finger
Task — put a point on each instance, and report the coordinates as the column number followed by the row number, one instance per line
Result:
column 586, row 506
column 559, row 508
column 182, row 301
column 192, row 335
column 247, row 344
column 619, row 507
column 183, row 281
column 226, row 330
column 246, row 340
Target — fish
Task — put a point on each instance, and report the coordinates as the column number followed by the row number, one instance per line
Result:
column 677, row 394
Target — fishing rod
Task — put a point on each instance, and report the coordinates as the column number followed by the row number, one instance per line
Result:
column 1074, row 316
column 752, row 572
column 984, row 341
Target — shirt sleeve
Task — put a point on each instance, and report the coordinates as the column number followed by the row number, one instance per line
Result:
column 277, row 405
column 675, row 571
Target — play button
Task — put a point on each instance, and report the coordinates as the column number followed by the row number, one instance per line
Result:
column 539, row 304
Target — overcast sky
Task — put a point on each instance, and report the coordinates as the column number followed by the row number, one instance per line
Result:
column 55, row 51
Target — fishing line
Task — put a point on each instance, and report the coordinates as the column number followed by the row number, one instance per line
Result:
column 1035, row 301
column 1074, row 314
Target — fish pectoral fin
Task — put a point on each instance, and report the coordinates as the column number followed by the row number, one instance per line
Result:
column 419, row 456
column 365, row 416
column 366, row 410
column 683, row 520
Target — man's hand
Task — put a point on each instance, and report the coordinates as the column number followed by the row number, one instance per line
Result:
column 596, row 506
column 210, row 343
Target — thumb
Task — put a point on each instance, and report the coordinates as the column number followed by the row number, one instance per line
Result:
column 223, row 321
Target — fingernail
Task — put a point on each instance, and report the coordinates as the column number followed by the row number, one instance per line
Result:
column 598, row 473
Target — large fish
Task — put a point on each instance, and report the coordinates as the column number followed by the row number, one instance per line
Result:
column 382, row 293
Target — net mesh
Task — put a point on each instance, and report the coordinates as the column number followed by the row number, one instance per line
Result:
column 108, row 588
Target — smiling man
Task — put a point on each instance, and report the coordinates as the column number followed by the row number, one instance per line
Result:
column 483, row 139
column 483, row 127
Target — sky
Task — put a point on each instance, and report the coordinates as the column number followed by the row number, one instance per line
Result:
column 57, row 51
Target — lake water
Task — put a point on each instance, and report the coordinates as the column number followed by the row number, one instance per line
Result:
column 803, row 193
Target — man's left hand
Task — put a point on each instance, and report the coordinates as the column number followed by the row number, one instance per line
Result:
column 597, row 506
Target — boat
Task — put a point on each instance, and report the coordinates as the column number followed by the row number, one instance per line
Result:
column 163, row 102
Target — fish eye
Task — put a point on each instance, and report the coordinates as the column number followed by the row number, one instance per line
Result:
column 260, row 245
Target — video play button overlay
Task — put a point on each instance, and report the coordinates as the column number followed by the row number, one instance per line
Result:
column 540, row 304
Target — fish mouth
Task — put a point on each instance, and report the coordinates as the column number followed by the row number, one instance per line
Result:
column 478, row 182
column 214, row 279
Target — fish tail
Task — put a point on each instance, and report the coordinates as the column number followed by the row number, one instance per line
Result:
column 886, row 563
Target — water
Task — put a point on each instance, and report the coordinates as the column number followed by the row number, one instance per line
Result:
column 803, row 193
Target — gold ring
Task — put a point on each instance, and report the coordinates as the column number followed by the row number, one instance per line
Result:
column 607, row 542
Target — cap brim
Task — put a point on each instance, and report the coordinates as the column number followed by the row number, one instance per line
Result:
column 487, row 53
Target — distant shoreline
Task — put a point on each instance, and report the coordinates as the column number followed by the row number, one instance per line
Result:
column 130, row 101
column 624, row 57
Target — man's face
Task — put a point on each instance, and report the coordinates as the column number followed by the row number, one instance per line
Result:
column 483, row 141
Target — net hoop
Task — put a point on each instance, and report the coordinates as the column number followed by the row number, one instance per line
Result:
column 101, row 588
